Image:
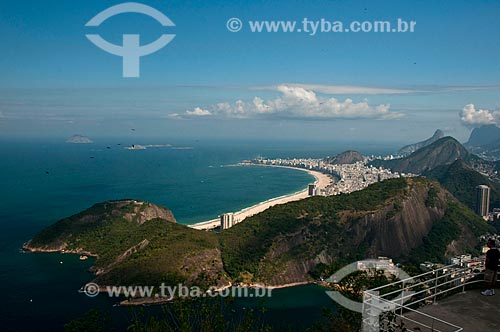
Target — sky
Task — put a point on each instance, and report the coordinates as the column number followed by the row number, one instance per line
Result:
column 209, row 82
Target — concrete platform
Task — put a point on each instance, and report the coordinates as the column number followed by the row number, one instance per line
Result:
column 470, row 310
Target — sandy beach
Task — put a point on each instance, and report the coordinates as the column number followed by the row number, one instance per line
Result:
column 322, row 181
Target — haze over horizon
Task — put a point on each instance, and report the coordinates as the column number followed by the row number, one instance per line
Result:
column 210, row 82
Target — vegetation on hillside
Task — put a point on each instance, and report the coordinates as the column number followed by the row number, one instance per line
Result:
column 449, row 228
column 287, row 243
column 461, row 180
column 246, row 244
column 136, row 252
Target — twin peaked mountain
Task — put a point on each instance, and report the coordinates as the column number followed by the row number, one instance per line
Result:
column 410, row 219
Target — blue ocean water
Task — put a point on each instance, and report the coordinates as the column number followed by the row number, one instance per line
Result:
column 44, row 181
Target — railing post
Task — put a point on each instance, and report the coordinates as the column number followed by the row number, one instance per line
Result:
column 435, row 287
column 462, row 278
column 371, row 312
column 402, row 296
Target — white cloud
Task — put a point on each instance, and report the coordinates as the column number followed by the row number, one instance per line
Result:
column 199, row 112
column 297, row 102
column 366, row 90
column 472, row 117
column 350, row 90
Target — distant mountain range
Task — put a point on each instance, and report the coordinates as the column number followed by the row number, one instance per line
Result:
column 485, row 142
column 409, row 149
column 346, row 157
column 444, row 151
column 454, row 167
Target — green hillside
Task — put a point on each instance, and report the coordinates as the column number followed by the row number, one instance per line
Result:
column 394, row 218
column 138, row 243
column 461, row 180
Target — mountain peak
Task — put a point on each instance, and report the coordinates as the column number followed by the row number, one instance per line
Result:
column 484, row 135
column 444, row 151
column 346, row 157
column 485, row 141
column 438, row 133
column 127, row 213
column 409, row 149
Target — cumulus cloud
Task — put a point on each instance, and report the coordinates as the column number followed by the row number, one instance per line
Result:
column 297, row 102
column 367, row 90
column 350, row 89
column 472, row 117
column 199, row 112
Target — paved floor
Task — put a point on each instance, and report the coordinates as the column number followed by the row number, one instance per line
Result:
column 470, row 310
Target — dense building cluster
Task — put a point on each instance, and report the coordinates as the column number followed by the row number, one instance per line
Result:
column 347, row 177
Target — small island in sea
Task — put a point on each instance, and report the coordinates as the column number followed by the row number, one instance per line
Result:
column 79, row 139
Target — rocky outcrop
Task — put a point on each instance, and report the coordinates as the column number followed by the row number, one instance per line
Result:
column 136, row 243
column 143, row 212
column 346, row 157
column 132, row 250
column 394, row 230
column 399, row 227
column 57, row 237
column 485, row 142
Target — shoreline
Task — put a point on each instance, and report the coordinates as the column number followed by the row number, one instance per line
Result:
column 289, row 285
column 322, row 180
column 147, row 301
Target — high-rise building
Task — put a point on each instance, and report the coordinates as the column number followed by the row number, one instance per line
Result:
column 483, row 200
column 227, row 220
column 312, row 190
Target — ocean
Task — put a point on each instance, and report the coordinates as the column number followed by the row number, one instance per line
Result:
column 43, row 181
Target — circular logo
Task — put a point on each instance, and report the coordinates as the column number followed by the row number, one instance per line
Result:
column 91, row 289
column 363, row 266
column 234, row 24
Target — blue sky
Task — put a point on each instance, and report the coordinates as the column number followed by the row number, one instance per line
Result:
column 55, row 82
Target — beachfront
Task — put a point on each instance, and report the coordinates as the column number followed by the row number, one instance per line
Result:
column 322, row 181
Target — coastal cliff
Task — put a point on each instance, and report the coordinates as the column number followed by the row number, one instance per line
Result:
column 138, row 243
column 395, row 218
column 63, row 235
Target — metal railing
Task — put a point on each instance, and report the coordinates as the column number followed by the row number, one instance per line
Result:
column 392, row 306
